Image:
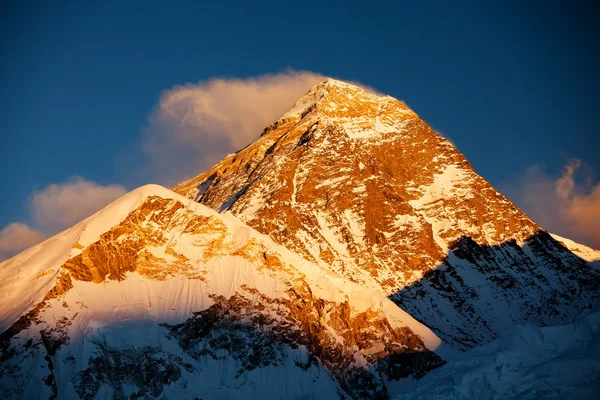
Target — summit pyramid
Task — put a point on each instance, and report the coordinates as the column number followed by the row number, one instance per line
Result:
column 358, row 183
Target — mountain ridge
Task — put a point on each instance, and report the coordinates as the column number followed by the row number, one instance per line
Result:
column 347, row 252
column 359, row 183
column 208, row 289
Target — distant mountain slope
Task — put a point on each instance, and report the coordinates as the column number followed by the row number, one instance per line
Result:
column 361, row 185
column 158, row 296
column 586, row 253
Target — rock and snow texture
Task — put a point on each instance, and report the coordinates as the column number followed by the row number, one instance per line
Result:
column 558, row 362
column 479, row 292
column 157, row 295
column 281, row 287
column 359, row 184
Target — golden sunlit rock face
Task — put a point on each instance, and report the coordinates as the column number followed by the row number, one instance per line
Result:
column 360, row 184
column 133, row 245
column 153, row 241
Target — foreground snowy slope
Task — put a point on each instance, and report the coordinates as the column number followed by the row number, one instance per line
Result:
column 558, row 362
column 360, row 184
column 157, row 295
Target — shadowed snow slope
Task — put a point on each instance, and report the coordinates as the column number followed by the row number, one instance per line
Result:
column 584, row 252
column 559, row 362
column 158, row 295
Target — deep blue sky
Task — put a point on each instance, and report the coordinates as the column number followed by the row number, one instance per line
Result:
column 511, row 85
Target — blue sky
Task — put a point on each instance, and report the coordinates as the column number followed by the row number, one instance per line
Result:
column 514, row 86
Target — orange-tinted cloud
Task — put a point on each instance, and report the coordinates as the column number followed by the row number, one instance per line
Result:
column 196, row 125
column 563, row 206
column 57, row 207
column 16, row 237
column 60, row 206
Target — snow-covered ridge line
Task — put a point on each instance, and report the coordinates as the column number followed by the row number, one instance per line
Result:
column 582, row 251
column 46, row 258
column 27, row 277
column 18, row 283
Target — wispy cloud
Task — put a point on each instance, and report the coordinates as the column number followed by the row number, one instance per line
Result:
column 16, row 237
column 60, row 206
column 565, row 205
column 192, row 127
column 54, row 209
column 196, row 125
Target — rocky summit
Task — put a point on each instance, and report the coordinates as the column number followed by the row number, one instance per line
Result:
column 347, row 253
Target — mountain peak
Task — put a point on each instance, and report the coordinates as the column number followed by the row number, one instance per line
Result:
column 356, row 110
column 359, row 184
column 331, row 83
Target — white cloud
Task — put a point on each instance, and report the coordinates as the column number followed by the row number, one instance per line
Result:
column 191, row 129
column 562, row 205
column 57, row 207
column 60, row 206
column 196, row 125
column 16, row 237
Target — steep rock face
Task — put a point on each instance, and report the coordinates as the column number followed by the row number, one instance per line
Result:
column 176, row 300
column 360, row 184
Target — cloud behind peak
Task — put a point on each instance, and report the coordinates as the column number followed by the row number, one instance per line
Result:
column 55, row 208
column 196, row 125
column 568, row 205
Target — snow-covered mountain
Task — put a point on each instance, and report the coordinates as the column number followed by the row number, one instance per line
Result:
column 157, row 295
column 346, row 253
column 358, row 183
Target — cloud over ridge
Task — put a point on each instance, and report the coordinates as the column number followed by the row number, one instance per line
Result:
column 55, row 208
column 16, row 237
column 196, row 125
column 60, row 206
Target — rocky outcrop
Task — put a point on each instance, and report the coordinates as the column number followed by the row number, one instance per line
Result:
column 363, row 185
column 346, row 345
